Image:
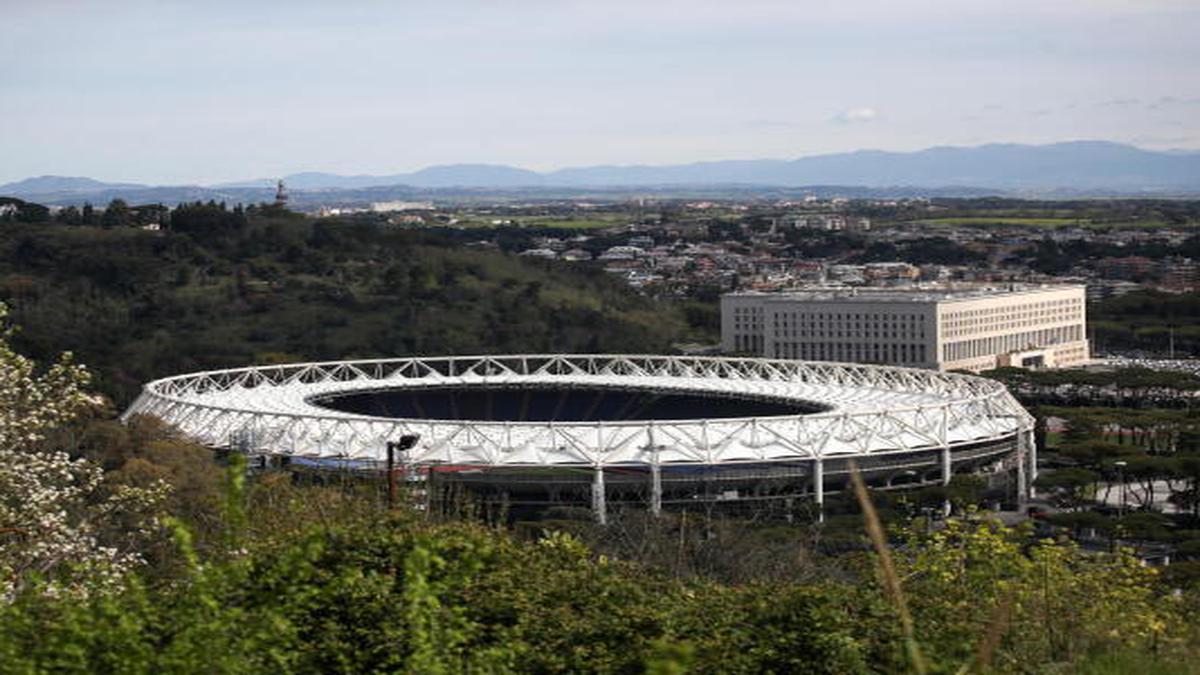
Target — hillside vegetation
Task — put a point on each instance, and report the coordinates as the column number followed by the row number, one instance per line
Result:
column 225, row 288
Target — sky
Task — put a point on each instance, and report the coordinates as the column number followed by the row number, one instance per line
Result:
column 203, row 92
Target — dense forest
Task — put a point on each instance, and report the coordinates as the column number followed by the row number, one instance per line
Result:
column 221, row 287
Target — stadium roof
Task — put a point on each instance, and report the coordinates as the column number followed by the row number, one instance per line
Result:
column 864, row 410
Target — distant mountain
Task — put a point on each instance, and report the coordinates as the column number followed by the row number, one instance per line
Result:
column 474, row 175
column 1076, row 168
column 442, row 176
column 47, row 184
column 1077, row 165
column 1080, row 165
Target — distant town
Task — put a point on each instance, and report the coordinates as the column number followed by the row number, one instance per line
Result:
column 687, row 247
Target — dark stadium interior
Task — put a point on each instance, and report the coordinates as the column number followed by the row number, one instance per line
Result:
column 558, row 404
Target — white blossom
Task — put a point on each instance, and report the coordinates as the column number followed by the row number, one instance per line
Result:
column 52, row 507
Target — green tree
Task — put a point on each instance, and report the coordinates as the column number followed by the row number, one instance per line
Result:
column 117, row 214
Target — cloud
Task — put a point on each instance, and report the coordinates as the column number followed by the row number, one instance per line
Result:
column 855, row 115
column 1118, row 102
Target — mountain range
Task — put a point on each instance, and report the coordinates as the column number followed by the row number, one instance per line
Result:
column 1085, row 167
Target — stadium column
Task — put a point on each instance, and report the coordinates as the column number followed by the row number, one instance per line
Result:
column 1031, row 442
column 819, row 487
column 1021, row 478
column 947, row 474
column 655, row 488
column 598, row 505
column 655, row 475
column 947, row 459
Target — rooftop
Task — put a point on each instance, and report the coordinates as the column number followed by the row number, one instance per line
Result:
column 918, row 294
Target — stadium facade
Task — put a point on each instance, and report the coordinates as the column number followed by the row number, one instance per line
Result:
column 970, row 328
column 657, row 431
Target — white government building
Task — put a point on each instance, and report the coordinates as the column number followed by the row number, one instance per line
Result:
column 945, row 328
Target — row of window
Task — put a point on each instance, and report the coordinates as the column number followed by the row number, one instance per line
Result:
column 1001, row 344
column 852, row 352
column 1005, row 308
column 848, row 325
column 748, row 343
column 1008, row 316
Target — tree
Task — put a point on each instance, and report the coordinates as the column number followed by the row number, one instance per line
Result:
column 117, row 214
column 1071, row 487
column 54, row 508
column 70, row 216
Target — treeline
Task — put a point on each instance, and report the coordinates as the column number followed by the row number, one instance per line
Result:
column 218, row 287
column 1060, row 257
column 1148, row 320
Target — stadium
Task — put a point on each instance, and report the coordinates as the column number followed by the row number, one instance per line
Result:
column 612, row 430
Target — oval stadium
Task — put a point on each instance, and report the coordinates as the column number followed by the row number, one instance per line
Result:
column 608, row 430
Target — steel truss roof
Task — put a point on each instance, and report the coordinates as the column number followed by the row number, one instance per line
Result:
column 868, row 410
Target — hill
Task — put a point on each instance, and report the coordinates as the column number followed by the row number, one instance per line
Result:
column 49, row 184
column 226, row 288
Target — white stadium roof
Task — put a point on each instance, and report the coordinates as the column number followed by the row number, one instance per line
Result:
column 867, row 410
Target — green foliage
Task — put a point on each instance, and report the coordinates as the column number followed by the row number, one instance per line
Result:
column 1061, row 603
column 225, row 287
column 21, row 211
column 1151, row 320
column 396, row 592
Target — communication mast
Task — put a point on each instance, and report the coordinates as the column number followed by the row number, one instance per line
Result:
column 281, row 195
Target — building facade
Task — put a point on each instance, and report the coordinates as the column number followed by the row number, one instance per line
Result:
column 944, row 328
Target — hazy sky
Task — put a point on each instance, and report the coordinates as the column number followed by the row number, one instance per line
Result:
column 210, row 91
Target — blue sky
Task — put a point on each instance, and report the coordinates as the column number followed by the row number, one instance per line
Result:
column 201, row 92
